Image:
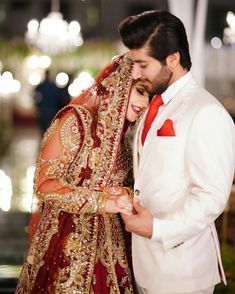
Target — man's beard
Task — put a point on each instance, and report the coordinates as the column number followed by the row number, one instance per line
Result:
column 161, row 82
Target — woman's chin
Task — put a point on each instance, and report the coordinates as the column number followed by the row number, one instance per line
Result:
column 131, row 119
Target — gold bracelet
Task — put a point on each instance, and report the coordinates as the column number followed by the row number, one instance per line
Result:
column 103, row 196
column 129, row 191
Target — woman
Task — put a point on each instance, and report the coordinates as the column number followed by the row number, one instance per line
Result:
column 79, row 246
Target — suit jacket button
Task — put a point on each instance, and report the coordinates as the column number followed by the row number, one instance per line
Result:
column 137, row 192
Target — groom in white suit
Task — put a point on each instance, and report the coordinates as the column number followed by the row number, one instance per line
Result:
column 183, row 164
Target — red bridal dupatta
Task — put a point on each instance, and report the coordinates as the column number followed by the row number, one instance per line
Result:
column 74, row 248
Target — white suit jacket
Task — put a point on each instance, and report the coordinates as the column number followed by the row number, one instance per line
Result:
column 185, row 181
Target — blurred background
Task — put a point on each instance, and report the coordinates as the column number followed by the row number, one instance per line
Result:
column 54, row 48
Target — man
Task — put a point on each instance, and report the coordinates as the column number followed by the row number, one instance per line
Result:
column 183, row 163
column 47, row 98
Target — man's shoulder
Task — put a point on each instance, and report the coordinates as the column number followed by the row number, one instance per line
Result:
column 199, row 97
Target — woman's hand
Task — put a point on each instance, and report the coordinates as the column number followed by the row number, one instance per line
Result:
column 118, row 201
column 122, row 204
column 113, row 191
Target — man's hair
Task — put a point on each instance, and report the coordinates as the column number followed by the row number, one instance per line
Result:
column 161, row 31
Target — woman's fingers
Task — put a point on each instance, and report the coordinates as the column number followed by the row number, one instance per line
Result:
column 115, row 191
column 124, row 205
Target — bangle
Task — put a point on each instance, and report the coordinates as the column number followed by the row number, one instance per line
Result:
column 129, row 191
column 103, row 196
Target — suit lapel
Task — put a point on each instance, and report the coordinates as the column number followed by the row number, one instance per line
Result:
column 174, row 106
column 136, row 144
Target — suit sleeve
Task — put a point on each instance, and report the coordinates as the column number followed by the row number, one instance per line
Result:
column 61, row 144
column 210, row 160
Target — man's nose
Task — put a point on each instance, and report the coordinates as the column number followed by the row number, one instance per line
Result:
column 136, row 73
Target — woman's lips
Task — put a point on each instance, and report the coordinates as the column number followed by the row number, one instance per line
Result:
column 136, row 109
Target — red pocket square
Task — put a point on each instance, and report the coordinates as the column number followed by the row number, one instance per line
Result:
column 167, row 129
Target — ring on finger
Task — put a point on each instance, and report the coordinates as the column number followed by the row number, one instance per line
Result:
column 128, row 207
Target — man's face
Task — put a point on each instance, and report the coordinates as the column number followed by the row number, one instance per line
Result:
column 155, row 76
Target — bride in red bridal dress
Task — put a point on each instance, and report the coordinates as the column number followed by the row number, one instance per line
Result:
column 79, row 245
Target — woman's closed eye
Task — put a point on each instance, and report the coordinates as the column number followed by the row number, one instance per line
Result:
column 141, row 90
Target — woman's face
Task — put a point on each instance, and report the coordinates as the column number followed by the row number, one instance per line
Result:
column 138, row 102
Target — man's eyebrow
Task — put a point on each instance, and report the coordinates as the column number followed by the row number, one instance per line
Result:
column 139, row 61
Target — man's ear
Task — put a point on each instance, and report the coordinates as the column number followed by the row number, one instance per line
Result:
column 173, row 60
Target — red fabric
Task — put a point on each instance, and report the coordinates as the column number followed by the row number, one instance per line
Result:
column 152, row 112
column 100, row 284
column 33, row 224
column 167, row 129
column 54, row 257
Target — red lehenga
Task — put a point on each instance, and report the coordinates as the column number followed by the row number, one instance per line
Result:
column 76, row 249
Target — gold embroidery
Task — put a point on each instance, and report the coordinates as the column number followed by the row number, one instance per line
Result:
column 80, row 161
column 110, row 251
column 95, row 157
column 111, row 120
column 37, row 250
column 70, row 134
column 81, row 255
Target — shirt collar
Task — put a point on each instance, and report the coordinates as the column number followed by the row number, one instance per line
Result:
column 175, row 87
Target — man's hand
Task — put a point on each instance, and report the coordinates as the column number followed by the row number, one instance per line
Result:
column 141, row 223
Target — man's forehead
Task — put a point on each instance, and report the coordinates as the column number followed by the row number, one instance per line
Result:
column 140, row 55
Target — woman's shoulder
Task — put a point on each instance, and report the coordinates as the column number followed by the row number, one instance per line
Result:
column 77, row 112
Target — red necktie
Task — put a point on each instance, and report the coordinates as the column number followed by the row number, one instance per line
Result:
column 152, row 112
